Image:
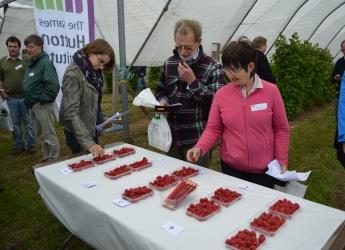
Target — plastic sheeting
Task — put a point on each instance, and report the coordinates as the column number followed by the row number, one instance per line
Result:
column 319, row 21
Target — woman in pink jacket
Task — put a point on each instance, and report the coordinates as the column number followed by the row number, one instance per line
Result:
column 248, row 115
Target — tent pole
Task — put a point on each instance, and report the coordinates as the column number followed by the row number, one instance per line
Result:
column 123, row 72
column 333, row 38
column 238, row 26
column 165, row 9
column 329, row 14
column 287, row 23
column 5, row 6
column 6, row 2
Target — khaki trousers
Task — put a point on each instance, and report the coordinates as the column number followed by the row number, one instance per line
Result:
column 43, row 117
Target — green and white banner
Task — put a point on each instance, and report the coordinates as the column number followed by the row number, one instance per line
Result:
column 65, row 26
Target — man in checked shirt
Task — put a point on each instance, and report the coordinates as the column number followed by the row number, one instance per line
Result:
column 191, row 78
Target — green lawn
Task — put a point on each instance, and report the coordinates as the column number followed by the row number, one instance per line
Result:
column 26, row 223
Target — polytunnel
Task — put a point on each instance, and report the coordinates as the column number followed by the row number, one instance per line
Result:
column 149, row 23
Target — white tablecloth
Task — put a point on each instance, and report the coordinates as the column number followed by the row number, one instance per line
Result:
column 90, row 214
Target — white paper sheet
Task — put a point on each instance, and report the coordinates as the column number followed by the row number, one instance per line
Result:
column 146, row 99
column 116, row 116
column 274, row 171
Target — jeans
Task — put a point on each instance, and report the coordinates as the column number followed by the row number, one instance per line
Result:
column 73, row 144
column 20, row 113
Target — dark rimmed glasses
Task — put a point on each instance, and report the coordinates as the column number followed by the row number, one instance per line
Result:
column 185, row 47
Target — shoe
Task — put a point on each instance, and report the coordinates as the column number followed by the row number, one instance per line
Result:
column 17, row 151
column 31, row 150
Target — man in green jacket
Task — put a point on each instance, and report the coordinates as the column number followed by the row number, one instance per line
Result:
column 40, row 88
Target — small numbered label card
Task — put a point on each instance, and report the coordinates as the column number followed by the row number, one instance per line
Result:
column 88, row 184
column 172, row 228
column 162, row 159
column 201, row 170
column 121, row 202
column 66, row 171
column 246, row 186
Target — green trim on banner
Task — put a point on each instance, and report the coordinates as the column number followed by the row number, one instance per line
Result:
column 39, row 4
column 59, row 5
column 50, row 4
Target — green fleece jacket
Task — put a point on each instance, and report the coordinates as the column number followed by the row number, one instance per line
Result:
column 40, row 82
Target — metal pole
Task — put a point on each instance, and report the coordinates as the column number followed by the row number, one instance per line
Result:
column 123, row 70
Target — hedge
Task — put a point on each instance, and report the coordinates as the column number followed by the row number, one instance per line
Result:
column 303, row 73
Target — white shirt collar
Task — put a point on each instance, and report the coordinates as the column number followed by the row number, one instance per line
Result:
column 196, row 54
column 256, row 85
column 20, row 57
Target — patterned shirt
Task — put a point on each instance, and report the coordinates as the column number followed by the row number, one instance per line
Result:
column 190, row 120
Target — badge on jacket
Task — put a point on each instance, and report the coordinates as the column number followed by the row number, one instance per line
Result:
column 18, row 67
column 258, row 106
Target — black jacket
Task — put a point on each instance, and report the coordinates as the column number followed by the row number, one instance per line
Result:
column 339, row 69
column 263, row 68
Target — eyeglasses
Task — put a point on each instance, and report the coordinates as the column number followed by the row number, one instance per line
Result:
column 185, row 47
column 233, row 70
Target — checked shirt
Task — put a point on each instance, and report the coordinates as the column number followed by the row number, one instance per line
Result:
column 190, row 120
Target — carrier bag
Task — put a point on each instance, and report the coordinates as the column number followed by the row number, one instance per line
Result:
column 159, row 134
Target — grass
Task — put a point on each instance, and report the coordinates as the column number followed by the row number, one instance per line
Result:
column 26, row 222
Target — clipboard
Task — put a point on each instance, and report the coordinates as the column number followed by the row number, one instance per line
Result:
column 168, row 108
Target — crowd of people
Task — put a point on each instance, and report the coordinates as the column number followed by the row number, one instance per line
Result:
column 247, row 114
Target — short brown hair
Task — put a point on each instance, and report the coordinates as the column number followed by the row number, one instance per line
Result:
column 101, row 47
column 239, row 54
column 259, row 42
column 184, row 26
column 13, row 39
column 35, row 39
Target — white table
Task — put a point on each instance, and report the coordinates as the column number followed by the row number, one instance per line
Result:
column 90, row 214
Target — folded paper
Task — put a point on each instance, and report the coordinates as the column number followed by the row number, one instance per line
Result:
column 274, row 170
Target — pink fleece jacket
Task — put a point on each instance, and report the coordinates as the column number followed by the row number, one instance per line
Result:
column 254, row 130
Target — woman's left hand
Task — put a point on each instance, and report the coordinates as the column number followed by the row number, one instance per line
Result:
column 283, row 169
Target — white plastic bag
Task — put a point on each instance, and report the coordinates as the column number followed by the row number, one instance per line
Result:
column 294, row 188
column 159, row 134
column 5, row 116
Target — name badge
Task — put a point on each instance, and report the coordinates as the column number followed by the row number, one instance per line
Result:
column 31, row 74
column 18, row 67
column 259, row 106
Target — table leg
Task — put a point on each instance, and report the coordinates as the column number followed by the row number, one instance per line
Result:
column 68, row 238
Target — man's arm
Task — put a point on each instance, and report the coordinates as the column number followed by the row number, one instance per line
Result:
column 2, row 90
column 336, row 77
column 52, row 86
column 205, row 91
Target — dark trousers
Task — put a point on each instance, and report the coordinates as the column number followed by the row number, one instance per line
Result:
column 261, row 179
column 73, row 144
column 181, row 153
